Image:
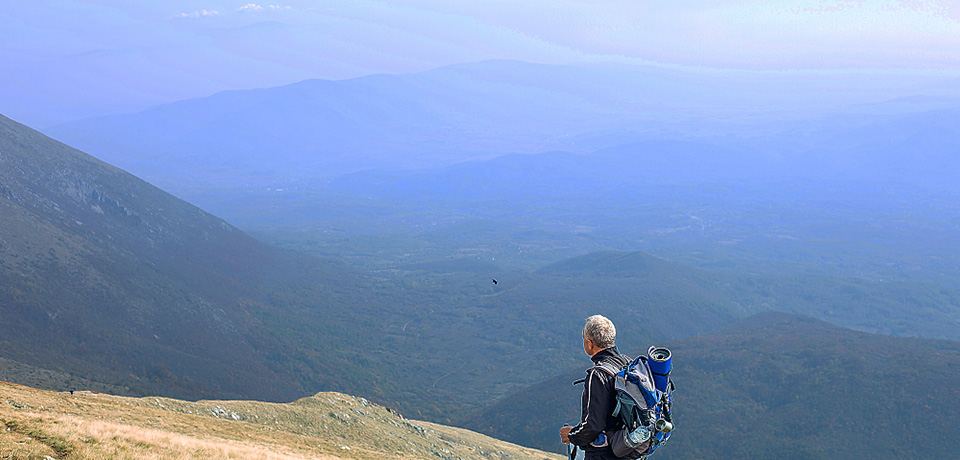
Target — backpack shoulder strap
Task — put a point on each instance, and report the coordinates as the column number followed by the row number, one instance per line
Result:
column 604, row 366
column 612, row 371
column 608, row 368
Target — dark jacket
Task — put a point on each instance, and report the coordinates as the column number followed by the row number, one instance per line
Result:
column 597, row 402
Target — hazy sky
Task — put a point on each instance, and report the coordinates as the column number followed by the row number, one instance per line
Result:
column 122, row 54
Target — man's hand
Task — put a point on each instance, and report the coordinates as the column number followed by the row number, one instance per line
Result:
column 565, row 434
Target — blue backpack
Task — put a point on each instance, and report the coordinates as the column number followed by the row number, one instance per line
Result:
column 644, row 394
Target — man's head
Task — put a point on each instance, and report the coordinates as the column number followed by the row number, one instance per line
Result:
column 598, row 334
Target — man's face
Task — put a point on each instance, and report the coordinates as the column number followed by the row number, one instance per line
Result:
column 587, row 344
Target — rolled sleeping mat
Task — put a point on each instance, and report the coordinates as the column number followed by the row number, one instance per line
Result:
column 659, row 361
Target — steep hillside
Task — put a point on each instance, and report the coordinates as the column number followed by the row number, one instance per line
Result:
column 780, row 386
column 105, row 276
column 87, row 425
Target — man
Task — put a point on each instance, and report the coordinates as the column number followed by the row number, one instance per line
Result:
column 597, row 402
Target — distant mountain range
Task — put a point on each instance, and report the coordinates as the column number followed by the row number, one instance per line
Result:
column 776, row 386
column 812, row 173
column 917, row 149
column 305, row 133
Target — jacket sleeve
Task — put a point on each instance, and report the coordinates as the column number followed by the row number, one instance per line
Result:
column 594, row 411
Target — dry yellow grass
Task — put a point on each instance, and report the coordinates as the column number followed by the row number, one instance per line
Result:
column 37, row 424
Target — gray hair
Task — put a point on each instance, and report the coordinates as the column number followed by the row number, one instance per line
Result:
column 600, row 331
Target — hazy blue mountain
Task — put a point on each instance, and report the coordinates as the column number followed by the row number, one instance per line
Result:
column 916, row 148
column 777, row 386
column 316, row 129
column 574, row 178
column 920, row 149
column 810, row 173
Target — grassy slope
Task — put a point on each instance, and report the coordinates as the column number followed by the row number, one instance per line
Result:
column 88, row 425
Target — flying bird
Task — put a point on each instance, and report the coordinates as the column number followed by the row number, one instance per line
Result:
column 494, row 281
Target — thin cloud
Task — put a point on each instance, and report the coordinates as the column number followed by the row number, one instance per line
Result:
column 198, row 14
column 251, row 7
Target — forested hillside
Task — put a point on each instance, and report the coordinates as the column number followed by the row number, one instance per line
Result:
column 778, row 386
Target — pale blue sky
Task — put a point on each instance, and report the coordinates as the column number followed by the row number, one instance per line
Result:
column 129, row 54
